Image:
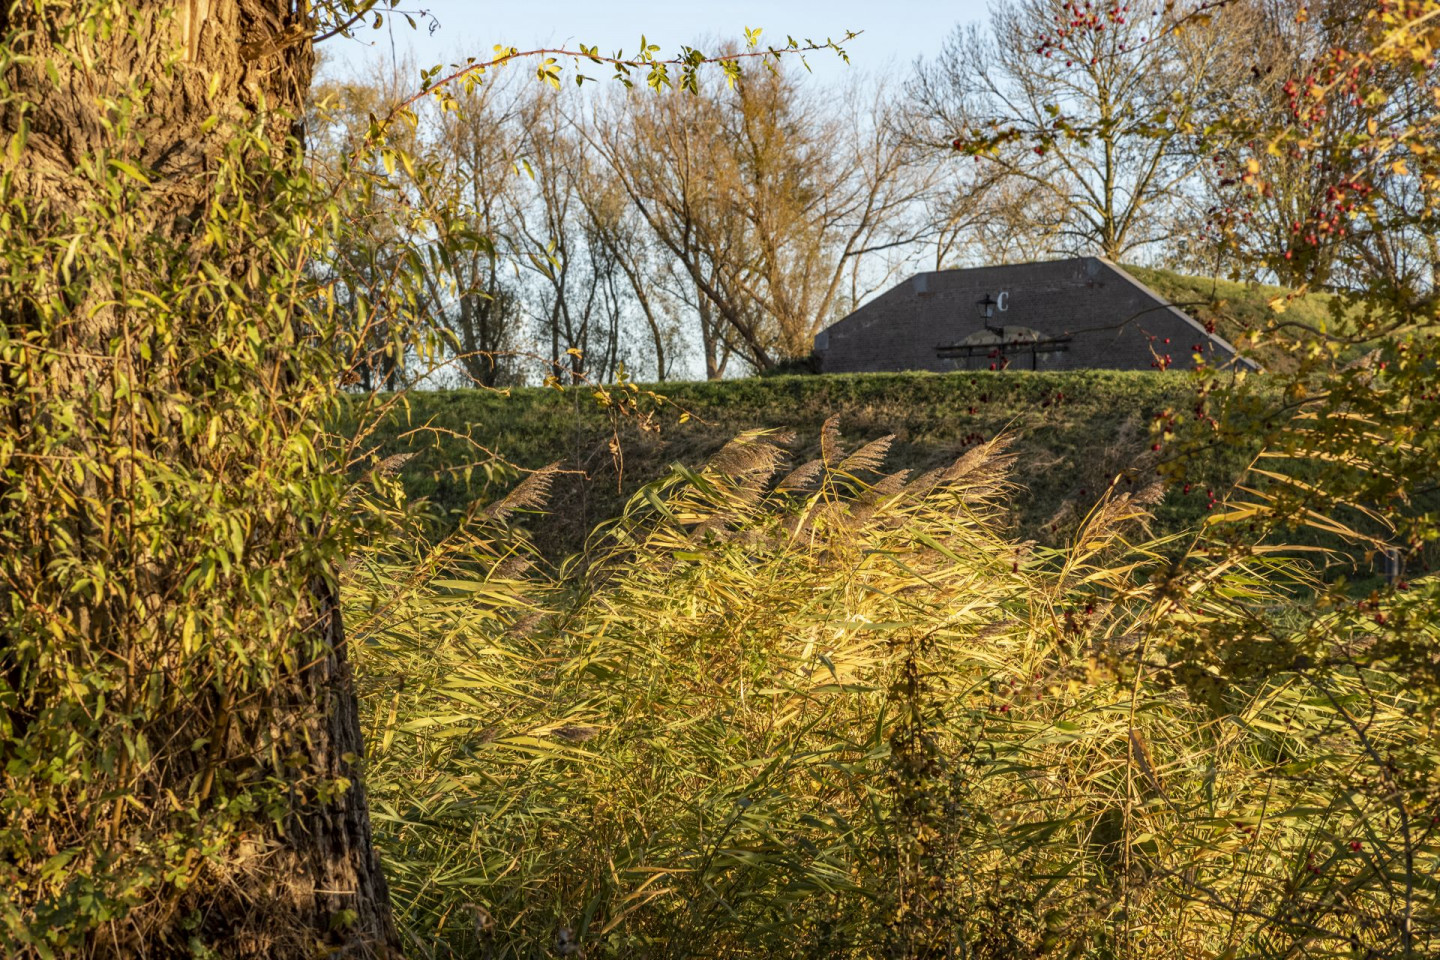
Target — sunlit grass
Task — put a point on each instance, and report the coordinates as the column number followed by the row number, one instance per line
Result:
column 816, row 709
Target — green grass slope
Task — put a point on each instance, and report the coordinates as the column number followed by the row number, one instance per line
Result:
column 1237, row 308
column 1074, row 432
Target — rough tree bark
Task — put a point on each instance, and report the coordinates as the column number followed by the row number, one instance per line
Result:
column 313, row 881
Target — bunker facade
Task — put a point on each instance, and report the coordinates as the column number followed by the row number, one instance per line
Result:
column 1080, row 314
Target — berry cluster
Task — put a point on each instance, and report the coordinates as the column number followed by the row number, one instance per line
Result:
column 1079, row 17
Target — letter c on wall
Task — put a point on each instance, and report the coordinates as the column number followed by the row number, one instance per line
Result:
column 1002, row 302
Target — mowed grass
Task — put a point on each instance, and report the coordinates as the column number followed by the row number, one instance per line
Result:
column 1074, row 432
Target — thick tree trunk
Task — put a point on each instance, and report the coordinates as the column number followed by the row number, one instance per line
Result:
column 303, row 880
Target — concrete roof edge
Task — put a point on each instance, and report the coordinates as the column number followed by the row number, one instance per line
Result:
column 1181, row 314
column 996, row 266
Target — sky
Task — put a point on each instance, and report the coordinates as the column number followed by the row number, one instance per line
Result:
column 895, row 31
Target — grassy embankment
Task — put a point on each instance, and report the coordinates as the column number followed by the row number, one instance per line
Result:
column 1074, row 433
column 1238, row 308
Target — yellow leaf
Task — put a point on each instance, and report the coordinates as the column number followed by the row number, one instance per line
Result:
column 130, row 170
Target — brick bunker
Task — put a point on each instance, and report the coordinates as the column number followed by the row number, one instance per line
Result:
column 1079, row 314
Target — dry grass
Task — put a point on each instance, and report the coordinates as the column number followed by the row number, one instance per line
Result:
column 843, row 715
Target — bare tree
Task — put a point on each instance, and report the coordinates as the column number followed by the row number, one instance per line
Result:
column 818, row 187
column 764, row 195
column 982, row 216
column 583, row 230
column 1087, row 127
column 616, row 227
column 663, row 152
column 473, row 289
column 575, row 298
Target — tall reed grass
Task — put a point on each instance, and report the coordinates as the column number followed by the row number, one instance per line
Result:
column 828, row 711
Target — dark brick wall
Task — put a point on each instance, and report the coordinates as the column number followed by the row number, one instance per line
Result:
column 1113, row 321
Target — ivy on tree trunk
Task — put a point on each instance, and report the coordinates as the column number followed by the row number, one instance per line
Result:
column 179, row 737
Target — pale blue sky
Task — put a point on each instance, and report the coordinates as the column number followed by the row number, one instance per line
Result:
column 895, row 31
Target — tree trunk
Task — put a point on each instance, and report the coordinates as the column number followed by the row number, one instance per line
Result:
column 302, row 878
